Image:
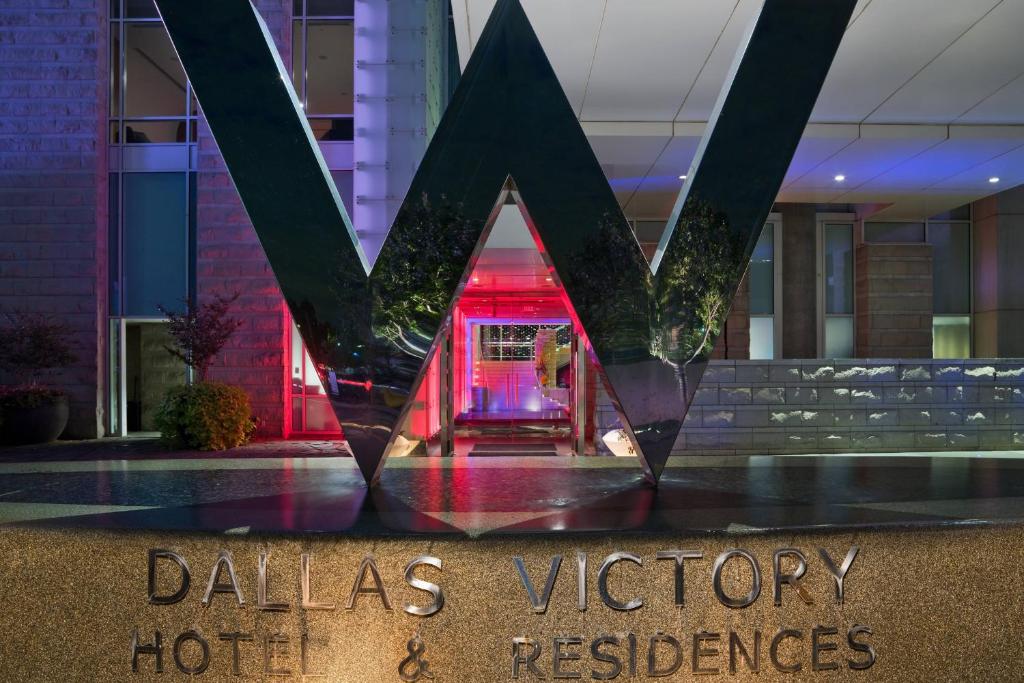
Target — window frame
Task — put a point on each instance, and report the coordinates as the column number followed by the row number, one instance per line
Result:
column 775, row 220
column 301, row 93
column 821, row 219
column 118, row 23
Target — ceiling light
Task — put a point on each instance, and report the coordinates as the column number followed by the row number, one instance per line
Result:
column 994, row 179
column 682, row 177
column 839, row 178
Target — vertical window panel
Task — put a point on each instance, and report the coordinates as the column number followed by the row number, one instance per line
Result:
column 329, row 77
column 154, row 78
column 951, row 336
column 838, row 268
column 839, row 337
column 155, row 241
column 762, row 337
column 951, row 266
column 762, row 273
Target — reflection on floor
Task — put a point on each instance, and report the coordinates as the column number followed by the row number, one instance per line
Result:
column 503, row 494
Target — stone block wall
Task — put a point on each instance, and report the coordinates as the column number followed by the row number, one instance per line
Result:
column 230, row 259
column 53, row 181
column 816, row 406
column 894, row 300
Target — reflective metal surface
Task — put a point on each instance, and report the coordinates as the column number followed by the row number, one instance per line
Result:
column 602, row 582
column 432, row 588
column 755, row 583
column 538, row 603
column 372, row 333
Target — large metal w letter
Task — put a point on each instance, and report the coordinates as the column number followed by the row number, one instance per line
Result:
column 372, row 332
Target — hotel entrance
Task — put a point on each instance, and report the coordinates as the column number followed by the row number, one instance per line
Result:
column 511, row 374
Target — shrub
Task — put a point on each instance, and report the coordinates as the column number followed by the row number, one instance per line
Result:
column 209, row 416
column 31, row 343
column 30, row 396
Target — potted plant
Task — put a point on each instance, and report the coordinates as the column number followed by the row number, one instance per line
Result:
column 30, row 345
column 203, row 415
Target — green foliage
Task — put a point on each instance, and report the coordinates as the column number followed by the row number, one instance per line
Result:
column 32, row 342
column 697, row 280
column 209, row 416
column 414, row 280
column 200, row 332
column 602, row 277
column 31, row 396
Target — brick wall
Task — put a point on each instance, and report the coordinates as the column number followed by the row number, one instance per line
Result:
column 894, row 301
column 230, row 259
column 53, row 180
column 799, row 280
column 820, row 406
column 734, row 341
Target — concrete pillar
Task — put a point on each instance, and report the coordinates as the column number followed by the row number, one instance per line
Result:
column 998, row 234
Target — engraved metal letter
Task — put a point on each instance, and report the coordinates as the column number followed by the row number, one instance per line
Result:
column 214, row 585
column 602, row 581
column 432, row 588
column 716, row 578
column 183, row 586
column 539, row 604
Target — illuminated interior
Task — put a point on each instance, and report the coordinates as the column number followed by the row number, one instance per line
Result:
column 512, row 365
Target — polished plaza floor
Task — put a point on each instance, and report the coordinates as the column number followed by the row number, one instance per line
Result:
column 290, row 487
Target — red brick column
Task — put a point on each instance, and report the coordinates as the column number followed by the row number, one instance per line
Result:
column 230, row 259
column 53, row 182
column 734, row 342
column 894, row 301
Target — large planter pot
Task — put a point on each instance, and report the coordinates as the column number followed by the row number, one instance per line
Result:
column 35, row 424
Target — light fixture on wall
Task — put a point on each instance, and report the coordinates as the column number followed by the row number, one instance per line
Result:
column 994, row 179
column 839, row 178
column 682, row 177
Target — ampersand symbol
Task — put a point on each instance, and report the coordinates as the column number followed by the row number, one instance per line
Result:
column 420, row 667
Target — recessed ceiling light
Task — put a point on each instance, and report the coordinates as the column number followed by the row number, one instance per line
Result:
column 994, row 179
column 839, row 178
column 682, row 177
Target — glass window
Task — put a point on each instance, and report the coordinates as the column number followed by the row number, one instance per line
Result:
column 762, row 337
column 329, row 67
column 140, row 9
column 894, row 232
column 322, row 66
column 148, row 86
column 951, row 266
column 114, row 244
column 155, row 239
column 951, row 336
column 311, row 408
column 837, row 328
column 838, row 268
column 154, row 80
column 762, row 273
column 839, row 336
column 327, row 8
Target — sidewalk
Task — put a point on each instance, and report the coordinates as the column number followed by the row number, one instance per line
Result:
column 150, row 448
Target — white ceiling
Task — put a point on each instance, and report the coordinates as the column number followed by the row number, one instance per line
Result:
column 924, row 102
